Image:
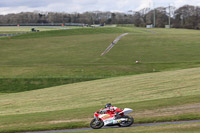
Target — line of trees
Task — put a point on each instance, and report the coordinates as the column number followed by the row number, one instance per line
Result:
column 96, row 17
column 184, row 17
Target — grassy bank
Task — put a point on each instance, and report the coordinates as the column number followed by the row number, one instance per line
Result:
column 76, row 53
column 78, row 118
column 31, row 63
column 135, row 88
column 164, row 96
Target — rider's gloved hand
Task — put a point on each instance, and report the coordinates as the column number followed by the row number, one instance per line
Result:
column 103, row 111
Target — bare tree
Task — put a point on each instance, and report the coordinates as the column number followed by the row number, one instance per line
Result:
column 187, row 17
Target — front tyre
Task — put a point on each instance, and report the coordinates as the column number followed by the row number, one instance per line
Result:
column 95, row 124
column 127, row 123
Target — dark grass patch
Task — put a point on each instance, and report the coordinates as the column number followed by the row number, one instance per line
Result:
column 14, row 85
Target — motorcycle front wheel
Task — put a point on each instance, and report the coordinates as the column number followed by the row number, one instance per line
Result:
column 127, row 123
column 95, row 124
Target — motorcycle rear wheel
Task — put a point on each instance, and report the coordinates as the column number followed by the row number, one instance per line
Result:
column 127, row 123
column 96, row 124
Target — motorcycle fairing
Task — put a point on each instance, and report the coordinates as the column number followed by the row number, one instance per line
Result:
column 110, row 119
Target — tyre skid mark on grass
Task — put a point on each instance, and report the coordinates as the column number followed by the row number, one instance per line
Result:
column 113, row 44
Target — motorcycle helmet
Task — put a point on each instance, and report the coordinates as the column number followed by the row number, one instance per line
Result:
column 108, row 105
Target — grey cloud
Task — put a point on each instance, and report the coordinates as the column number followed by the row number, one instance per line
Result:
column 30, row 3
column 13, row 6
column 40, row 3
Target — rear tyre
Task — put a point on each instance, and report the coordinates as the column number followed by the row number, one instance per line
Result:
column 119, row 125
column 95, row 124
column 127, row 123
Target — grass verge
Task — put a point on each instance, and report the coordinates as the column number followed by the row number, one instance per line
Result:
column 78, row 118
column 176, row 128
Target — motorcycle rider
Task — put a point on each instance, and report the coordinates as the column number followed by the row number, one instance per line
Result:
column 109, row 109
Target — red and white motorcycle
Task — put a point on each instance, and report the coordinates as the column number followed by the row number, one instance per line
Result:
column 109, row 118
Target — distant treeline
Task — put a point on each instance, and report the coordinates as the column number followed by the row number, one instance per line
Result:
column 96, row 17
column 184, row 17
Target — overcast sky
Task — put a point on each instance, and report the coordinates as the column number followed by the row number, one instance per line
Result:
column 16, row 6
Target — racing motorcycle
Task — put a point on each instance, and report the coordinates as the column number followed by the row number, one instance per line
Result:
column 120, row 119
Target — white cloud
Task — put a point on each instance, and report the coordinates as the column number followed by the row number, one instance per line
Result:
column 145, row 4
column 180, row 2
column 6, row 10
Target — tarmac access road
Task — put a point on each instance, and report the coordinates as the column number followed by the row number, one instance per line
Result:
column 134, row 125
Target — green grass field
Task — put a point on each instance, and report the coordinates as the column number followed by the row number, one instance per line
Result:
column 37, row 71
column 75, row 54
column 162, row 96
column 21, row 29
column 179, row 128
